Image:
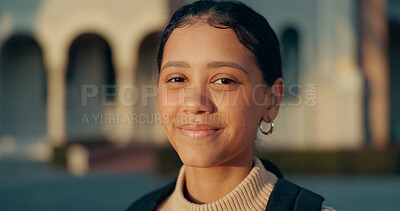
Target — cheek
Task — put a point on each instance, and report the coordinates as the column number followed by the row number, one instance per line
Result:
column 244, row 107
column 260, row 96
column 166, row 97
column 167, row 106
column 244, row 99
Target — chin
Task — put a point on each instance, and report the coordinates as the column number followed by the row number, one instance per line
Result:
column 200, row 160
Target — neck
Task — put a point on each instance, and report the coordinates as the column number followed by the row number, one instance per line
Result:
column 205, row 185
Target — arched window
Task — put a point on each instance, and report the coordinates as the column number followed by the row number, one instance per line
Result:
column 90, row 85
column 22, row 89
column 290, row 61
column 394, row 62
column 146, row 82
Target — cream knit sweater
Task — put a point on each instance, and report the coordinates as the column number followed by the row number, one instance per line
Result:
column 251, row 194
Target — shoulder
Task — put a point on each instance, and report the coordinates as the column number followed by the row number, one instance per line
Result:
column 152, row 199
column 271, row 167
column 287, row 195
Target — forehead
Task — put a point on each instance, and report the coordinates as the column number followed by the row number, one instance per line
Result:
column 199, row 41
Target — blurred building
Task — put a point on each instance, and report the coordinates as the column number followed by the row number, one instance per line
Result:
column 61, row 62
column 340, row 63
column 76, row 69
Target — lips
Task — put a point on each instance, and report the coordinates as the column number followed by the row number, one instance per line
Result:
column 198, row 131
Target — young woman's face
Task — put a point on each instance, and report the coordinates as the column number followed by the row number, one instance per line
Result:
column 211, row 95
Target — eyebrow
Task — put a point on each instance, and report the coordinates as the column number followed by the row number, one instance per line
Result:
column 175, row 64
column 226, row 64
column 210, row 65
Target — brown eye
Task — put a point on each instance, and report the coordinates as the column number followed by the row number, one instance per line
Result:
column 225, row 81
column 176, row 79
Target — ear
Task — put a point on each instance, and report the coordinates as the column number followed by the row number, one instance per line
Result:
column 275, row 96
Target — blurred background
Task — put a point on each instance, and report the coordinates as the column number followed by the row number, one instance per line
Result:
column 79, row 123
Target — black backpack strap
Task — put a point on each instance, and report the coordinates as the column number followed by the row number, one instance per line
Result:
column 150, row 201
column 269, row 166
column 307, row 200
column 283, row 196
column 287, row 196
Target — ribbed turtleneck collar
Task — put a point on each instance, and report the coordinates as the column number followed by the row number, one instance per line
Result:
column 251, row 194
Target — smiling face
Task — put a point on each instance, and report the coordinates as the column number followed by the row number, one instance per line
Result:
column 211, row 95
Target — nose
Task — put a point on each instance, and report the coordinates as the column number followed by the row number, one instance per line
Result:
column 197, row 100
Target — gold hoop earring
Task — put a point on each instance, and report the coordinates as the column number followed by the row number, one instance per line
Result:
column 270, row 129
